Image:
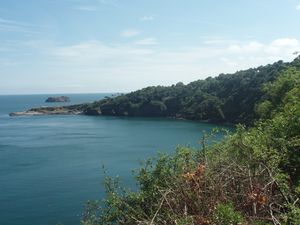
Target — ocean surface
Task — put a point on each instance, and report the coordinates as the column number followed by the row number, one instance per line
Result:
column 51, row 165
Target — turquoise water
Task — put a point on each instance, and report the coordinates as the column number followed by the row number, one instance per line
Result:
column 51, row 165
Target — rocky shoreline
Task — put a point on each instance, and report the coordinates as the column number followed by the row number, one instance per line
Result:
column 49, row 111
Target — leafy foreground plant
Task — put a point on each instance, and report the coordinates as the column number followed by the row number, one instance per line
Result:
column 252, row 177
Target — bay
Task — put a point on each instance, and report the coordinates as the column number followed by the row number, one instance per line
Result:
column 51, row 165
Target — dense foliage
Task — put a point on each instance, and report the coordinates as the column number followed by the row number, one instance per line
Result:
column 251, row 177
column 225, row 98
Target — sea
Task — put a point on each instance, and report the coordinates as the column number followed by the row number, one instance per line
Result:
column 50, row 166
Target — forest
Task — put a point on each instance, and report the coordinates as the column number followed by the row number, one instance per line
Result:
column 230, row 98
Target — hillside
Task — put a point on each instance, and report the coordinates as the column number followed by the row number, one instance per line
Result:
column 251, row 177
column 226, row 98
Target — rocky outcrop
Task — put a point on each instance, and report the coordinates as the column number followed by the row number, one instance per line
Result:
column 58, row 99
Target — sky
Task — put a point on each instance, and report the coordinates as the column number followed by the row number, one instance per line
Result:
column 94, row 46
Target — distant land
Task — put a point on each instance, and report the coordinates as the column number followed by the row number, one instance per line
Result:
column 227, row 98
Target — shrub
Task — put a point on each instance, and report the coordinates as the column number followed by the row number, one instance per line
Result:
column 225, row 214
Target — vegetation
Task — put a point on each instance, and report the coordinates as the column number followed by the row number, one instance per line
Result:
column 251, row 177
column 226, row 98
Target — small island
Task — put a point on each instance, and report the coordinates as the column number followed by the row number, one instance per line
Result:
column 58, row 99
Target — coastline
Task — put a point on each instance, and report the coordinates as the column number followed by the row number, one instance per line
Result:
column 80, row 110
column 63, row 110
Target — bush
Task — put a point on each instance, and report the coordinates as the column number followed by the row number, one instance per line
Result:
column 225, row 214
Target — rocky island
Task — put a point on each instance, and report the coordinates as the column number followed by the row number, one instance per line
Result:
column 58, row 99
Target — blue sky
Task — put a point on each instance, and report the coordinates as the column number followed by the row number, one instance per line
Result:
column 91, row 46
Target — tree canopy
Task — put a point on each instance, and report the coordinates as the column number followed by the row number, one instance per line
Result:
column 226, row 98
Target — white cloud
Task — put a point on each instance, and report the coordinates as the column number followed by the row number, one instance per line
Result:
column 130, row 33
column 100, row 66
column 281, row 47
column 250, row 47
column 147, row 18
column 285, row 42
column 86, row 8
column 96, row 53
column 141, row 55
column 298, row 7
column 147, row 41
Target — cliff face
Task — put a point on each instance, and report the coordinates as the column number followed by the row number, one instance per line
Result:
column 58, row 99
